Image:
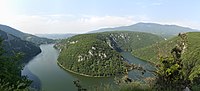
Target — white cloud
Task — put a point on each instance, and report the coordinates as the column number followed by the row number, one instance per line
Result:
column 78, row 24
column 66, row 23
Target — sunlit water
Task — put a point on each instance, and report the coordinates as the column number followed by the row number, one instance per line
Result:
column 47, row 75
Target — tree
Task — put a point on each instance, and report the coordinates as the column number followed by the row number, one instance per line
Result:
column 174, row 73
column 10, row 72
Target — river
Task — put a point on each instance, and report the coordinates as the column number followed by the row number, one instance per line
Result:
column 48, row 76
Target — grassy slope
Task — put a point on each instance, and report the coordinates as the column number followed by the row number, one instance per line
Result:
column 99, row 44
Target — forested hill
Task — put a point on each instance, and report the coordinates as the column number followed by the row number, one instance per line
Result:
column 165, row 31
column 24, row 36
column 12, row 44
column 98, row 54
column 151, row 53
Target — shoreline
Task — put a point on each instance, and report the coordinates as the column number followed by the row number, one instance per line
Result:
column 80, row 73
column 152, row 63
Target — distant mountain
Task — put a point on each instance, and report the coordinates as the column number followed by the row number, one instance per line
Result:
column 13, row 44
column 55, row 36
column 25, row 36
column 97, row 54
column 165, row 31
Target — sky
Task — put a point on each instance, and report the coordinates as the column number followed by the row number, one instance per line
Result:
column 81, row 16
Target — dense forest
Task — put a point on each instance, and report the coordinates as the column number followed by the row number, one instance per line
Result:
column 98, row 54
column 10, row 72
column 89, row 55
column 152, row 53
column 13, row 44
column 177, row 70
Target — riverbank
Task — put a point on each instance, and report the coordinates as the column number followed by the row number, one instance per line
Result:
column 54, row 77
column 81, row 74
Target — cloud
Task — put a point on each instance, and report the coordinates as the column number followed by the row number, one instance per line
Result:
column 60, row 23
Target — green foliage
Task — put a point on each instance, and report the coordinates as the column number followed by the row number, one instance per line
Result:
column 10, row 73
column 154, row 52
column 133, row 86
column 170, row 76
column 174, row 73
column 12, row 45
column 96, row 54
column 93, row 57
column 130, row 41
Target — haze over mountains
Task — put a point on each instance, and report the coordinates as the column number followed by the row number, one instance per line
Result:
column 55, row 36
column 97, row 53
column 165, row 31
column 15, row 41
column 24, row 36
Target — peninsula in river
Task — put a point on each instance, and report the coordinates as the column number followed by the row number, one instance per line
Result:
column 98, row 54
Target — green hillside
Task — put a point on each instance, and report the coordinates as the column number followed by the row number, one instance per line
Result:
column 163, row 48
column 130, row 41
column 13, row 45
column 25, row 36
column 98, row 54
column 152, row 53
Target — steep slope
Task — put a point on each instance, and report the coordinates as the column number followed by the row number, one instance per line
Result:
column 98, row 54
column 165, row 31
column 90, row 56
column 130, row 41
column 191, row 53
column 25, row 36
column 14, row 44
column 150, row 53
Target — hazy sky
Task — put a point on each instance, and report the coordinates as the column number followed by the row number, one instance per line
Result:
column 79, row 16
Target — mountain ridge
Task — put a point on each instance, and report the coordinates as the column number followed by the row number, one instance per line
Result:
column 165, row 31
column 13, row 44
column 25, row 36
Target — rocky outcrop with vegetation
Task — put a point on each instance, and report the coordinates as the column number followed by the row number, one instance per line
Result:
column 97, row 54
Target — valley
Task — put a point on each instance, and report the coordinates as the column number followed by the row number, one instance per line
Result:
column 52, row 77
column 99, row 45
column 98, row 59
